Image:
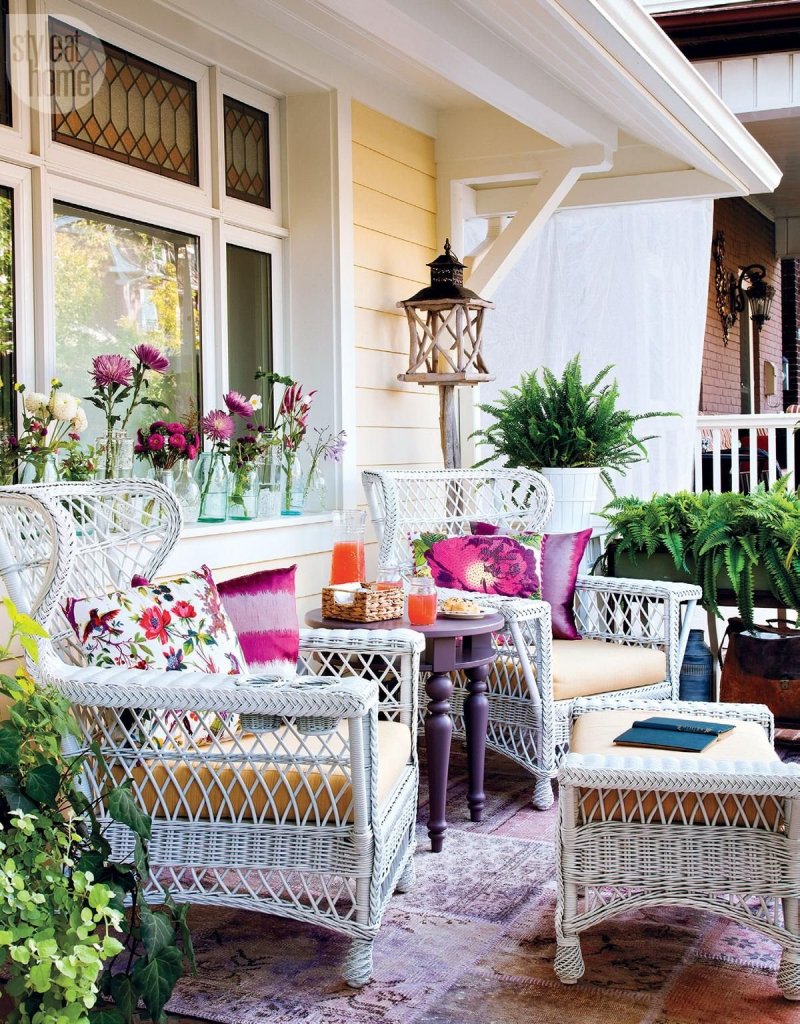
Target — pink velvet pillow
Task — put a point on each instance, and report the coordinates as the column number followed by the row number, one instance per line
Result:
column 506, row 566
column 263, row 611
column 560, row 559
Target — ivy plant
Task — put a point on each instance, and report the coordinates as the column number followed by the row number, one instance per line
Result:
column 71, row 952
column 564, row 422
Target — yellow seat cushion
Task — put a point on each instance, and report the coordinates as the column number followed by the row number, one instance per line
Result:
column 594, row 733
column 212, row 790
column 585, row 667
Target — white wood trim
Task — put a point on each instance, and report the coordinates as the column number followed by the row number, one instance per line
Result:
column 19, row 181
column 17, row 136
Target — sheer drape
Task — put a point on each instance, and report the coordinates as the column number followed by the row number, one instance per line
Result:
column 625, row 285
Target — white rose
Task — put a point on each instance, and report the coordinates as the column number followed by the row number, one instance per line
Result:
column 255, row 401
column 35, row 402
column 79, row 421
column 63, row 406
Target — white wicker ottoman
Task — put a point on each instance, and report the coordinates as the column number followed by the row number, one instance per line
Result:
column 638, row 828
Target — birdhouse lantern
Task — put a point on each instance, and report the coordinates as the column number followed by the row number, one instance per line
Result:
column 445, row 324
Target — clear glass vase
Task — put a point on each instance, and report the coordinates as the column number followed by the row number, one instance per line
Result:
column 243, row 491
column 187, row 492
column 270, row 489
column 316, row 491
column 293, row 485
column 114, row 456
column 42, row 470
column 211, row 476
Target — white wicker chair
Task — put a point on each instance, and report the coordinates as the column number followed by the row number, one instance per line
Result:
column 299, row 814
column 641, row 831
column 526, row 722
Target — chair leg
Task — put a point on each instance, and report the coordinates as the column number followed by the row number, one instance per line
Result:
column 405, row 883
column 789, row 974
column 569, row 964
column 357, row 969
column 543, row 794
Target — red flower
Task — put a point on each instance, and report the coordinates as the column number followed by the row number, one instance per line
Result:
column 154, row 622
column 184, row 610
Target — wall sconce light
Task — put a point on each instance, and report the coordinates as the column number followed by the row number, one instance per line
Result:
column 731, row 292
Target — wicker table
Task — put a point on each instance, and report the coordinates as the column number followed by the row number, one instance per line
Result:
column 451, row 645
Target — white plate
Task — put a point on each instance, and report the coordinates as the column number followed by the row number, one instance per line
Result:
column 463, row 615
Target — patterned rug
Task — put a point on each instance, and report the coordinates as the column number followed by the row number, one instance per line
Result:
column 473, row 943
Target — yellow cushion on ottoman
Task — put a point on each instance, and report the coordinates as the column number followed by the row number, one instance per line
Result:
column 585, row 667
column 594, row 733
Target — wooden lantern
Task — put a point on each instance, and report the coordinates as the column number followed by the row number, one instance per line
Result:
column 445, row 322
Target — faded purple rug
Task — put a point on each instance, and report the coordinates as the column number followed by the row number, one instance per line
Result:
column 473, row 943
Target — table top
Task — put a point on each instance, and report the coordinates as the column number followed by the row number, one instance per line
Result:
column 442, row 628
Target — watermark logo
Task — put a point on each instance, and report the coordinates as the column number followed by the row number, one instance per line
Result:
column 56, row 63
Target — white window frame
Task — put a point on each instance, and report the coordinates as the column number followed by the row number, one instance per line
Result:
column 18, row 179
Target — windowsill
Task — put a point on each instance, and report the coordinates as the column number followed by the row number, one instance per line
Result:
column 234, row 526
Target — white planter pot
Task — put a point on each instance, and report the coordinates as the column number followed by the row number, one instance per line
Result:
column 575, row 492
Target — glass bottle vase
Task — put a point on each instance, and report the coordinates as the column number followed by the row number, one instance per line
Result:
column 187, row 492
column 211, row 476
column 243, row 491
column 39, row 470
column 293, row 485
column 315, row 493
column 115, row 455
column 270, row 490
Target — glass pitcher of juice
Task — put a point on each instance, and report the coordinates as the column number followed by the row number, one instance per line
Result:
column 421, row 601
column 347, row 558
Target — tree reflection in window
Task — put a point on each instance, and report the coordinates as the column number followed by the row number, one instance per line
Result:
column 7, row 355
column 119, row 283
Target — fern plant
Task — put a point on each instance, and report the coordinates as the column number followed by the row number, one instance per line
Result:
column 708, row 534
column 564, row 423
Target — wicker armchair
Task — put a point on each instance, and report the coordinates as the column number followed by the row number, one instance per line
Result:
column 527, row 721
column 717, row 833
column 307, row 810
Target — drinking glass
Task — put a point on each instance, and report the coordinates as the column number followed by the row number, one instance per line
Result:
column 421, row 601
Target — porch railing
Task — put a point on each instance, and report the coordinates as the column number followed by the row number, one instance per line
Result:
column 735, row 453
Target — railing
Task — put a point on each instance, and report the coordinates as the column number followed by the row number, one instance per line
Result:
column 734, row 453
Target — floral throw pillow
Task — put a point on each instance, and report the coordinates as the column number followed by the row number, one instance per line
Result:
column 177, row 625
column 504, row 566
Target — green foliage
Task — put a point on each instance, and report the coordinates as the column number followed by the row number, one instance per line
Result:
column 71, row 954
column 564, row 423
column 708, row 534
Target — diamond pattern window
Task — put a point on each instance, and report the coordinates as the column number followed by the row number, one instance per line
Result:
column 112, row 103
column 246, row 152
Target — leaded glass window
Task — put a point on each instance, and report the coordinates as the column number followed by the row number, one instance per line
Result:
column 112, row 103
column 246, row 152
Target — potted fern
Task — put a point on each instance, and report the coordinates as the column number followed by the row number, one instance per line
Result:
column 571, row 431
column 732, row 545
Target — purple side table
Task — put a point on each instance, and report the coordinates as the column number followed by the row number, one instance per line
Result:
column 450, row 645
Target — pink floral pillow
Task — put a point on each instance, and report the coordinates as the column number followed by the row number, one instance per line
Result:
column 176, row 625
column 263, row 610
column 503, row 566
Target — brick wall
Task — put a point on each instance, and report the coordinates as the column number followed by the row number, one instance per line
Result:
column 749, row 238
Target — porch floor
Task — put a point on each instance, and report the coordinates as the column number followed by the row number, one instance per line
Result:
column 473, row 943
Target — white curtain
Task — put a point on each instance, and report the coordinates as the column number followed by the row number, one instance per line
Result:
column 626, row 285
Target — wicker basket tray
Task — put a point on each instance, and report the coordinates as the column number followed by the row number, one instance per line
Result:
column 370, row 605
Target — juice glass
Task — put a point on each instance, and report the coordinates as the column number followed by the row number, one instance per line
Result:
column 389, row 577
column 421, row 601
column 347, row 558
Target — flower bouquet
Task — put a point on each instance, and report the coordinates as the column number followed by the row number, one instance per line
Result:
column 50, row 424
column 293, row 421
column 169, row 448
column 211, row 473
column 328, row 447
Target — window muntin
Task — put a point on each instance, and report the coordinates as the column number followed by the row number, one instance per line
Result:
column 5, row 66
column 120, row 282
column 7, row 347
column 246, row 152
column 115, row 104
column 249, row 319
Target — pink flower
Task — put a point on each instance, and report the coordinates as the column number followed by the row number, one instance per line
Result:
column 237, row 404
column 151, row 358
column 177, row 441
column 74, row 437
column 175, row 428
column 191, row 452
column 155, row 442
column 154, row 622
column 184, row 610
column 218, row 425
column 488, row 565
column 110, row 369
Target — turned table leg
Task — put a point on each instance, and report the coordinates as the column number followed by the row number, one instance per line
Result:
column 476, row 721
column 438, row 733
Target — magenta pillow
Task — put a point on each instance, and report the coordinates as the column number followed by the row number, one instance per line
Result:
column 504, row 566
column 263, row 611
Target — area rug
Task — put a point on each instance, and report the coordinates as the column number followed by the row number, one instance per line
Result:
column 473, row 943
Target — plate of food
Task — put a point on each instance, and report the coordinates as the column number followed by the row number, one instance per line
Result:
column 461, row 608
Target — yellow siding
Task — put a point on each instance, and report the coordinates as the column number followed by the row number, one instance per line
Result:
column 394, row 237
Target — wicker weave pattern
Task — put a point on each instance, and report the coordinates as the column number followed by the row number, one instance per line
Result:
column 735, row 852
column 312, row 844
column 525, row 722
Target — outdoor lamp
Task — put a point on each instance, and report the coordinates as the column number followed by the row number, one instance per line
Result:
column 445, row 322
column 759, row 293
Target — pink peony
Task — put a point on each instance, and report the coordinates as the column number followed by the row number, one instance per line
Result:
column 177, row 441
column 155, row 442
column 488, row 565
column 150, row 357
column 110, row 369
column 218, row 425
column 237, row 404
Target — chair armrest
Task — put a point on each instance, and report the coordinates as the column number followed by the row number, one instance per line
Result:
column 367, row 641
column 687, row 775
column 758, row 713
column 640, row 588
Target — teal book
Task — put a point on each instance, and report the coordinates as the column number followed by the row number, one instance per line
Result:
column 673, row 734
